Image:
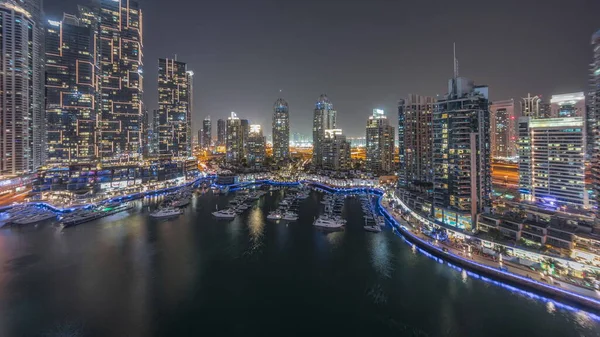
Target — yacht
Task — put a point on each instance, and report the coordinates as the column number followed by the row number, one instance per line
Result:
column 327, row 222
column 182, row 202
column 275, row 215
column 167, row 212
column 290, row 216
column 372, row 228
column 39, row 217
column 225, row 214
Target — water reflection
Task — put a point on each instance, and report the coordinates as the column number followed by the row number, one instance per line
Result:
column 380, row 254
column 256, row 228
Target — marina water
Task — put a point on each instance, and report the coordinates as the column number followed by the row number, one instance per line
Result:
column 132, row 275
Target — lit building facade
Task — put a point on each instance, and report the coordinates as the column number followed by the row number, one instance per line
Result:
column 535, row 107
column 502, row 129
column 568, row 105
column 281, row 131
column 174, row 108
column 462, row 183
column 234, row 143
column 552, row 161
column 19, row 62
column 221, row 132
column 206, row 133
column 335, row 151
column 120, row 58
column 245, row 132
column 256, row 154
column 71, row 91
column 324, row 118
column 380, row 143
column 38, row 130
column 594, row 107
column 415, row 139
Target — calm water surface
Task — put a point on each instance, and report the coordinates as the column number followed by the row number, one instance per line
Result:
column 130, row 275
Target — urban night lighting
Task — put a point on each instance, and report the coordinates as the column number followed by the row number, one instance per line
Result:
column 453, row 188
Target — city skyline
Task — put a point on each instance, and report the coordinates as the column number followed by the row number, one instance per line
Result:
column 242, row 73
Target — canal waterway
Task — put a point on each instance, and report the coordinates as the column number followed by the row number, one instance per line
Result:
column 131, row 275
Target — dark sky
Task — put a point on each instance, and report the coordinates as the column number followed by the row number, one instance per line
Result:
column 363, row 54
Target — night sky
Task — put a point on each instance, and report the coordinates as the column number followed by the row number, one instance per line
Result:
column 363, row 54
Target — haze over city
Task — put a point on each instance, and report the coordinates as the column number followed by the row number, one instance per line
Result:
column 362, row 54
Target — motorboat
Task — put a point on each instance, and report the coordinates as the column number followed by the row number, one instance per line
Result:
column 167, row 212
column 275, row 215
column 290, row 216
column 372, row 228
column 39, row 217
column 182, row 202
column 327, row 222
column 225, row 214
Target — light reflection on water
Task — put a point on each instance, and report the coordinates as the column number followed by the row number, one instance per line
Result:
column 129, row 271
column 380, row 254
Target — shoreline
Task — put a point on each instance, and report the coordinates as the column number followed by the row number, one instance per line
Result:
column 530, row 287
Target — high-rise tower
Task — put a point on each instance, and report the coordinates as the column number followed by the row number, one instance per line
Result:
column 71, row 91
column 415, row 139
column 120, row 45
column 594, row 116
column 221, row 132
column 380, row 143
column 174, row 104
column 256, row 147
column 235, row 140
column 281, row 131
column 462, row 183
column 324, row 118
column 502, row 129
column 206, row 134
column 19, row 96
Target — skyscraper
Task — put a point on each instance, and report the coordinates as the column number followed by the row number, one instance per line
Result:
column 335, row 151
column 120, row 45
column 19, row 95
column 174, row 103
column 502, row 129
column 245, row 132
column 324, row 118
column 461, row 154
column 221, row 132
column 235, row 142
column 568, row 105
column 256, row 147
column 38, row 130
column 281, row 131
column 206, row 133
column 415, row 139
column 594, row 106
column 380, row 143
column 552, row 161
column 71, row 95
column 534, row 107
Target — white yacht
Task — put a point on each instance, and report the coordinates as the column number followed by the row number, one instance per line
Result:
column 181, row 202
column 290, row 216
column 167, row 212
column 225, row 214
column 327, row 222
column 372, row 228
column 275, row 215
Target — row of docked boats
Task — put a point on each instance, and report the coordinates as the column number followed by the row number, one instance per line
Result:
column 287, row 209
column 332, row 216
column 84, row 215
column 27, row 215
column 373, row 221
column 171, row 206
column 239, row 204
